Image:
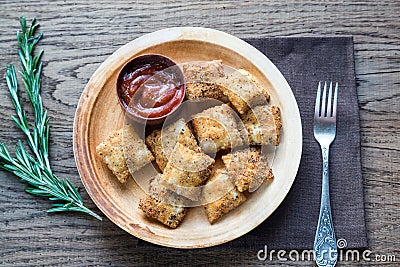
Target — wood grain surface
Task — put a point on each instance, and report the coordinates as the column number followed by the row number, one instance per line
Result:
column 81, row 34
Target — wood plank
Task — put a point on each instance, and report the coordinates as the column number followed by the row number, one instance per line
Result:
column 79, row 35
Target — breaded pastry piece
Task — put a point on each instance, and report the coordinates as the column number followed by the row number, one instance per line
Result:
column 254, row 80
column 185, row 170
column 231, row 197
column 158, row 189
column 202, row 79
column 121, row 147
column 190, row 162
column 203, row 71
column 216, row 128
column 162, row 143
column 242, row 91
column 263, row 123
column 247, row 168
column 165, row 213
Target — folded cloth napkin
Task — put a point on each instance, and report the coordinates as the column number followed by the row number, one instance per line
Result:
column 304, row 61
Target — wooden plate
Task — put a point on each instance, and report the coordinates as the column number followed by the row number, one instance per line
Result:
column 98, row 114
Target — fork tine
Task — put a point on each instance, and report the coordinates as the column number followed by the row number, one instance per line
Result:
column 329, row 108
column 323, row 101
column 318, row 100
column 335, row 100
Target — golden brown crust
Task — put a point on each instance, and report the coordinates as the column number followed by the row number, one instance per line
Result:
column 246, row 167
column 162, row 143
column 196, row 90
column 241, row 166
column 263, row 124
column 242, row 92
column 115, row 151
column 201, row 79
column 216, row 128
column 276, row 112
column 187, row 168
column 165, row 213
column 256, row 82
column 262, row 173
column 228, row 202
column 203, row 71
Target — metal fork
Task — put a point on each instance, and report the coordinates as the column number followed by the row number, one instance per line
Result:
column 325, row 247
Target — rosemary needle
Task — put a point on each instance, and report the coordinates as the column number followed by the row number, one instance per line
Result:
column 34, row 167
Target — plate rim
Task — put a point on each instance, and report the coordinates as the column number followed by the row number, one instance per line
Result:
column 145, row 41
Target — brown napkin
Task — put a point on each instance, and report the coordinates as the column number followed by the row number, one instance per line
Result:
column 304, row 61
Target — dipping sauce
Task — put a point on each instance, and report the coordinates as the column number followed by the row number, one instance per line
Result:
column 151, row 86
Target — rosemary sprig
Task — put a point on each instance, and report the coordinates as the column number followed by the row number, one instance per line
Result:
column 34, row 168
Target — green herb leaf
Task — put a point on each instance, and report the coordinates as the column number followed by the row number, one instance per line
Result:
column 33, row 167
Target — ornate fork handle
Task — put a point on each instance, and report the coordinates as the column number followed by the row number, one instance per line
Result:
column 325, row 247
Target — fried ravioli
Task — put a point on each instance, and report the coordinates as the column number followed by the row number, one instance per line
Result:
column 216, row 128
column 243, row 91
column 230, row 198
column 121, row 147
column 202, row 79
column 187, row 169
column 247, row 168
column 263, row 123
column 165, row 213
column 162, row 142
column 254, row 80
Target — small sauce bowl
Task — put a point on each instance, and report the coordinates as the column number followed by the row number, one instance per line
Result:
column 150, row 88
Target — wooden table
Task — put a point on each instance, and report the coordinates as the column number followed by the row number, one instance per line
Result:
column 80, row 34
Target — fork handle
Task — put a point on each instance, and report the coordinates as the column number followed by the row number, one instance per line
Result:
column 325, row 247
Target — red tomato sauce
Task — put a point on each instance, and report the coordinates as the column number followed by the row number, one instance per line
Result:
column 151, row 90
